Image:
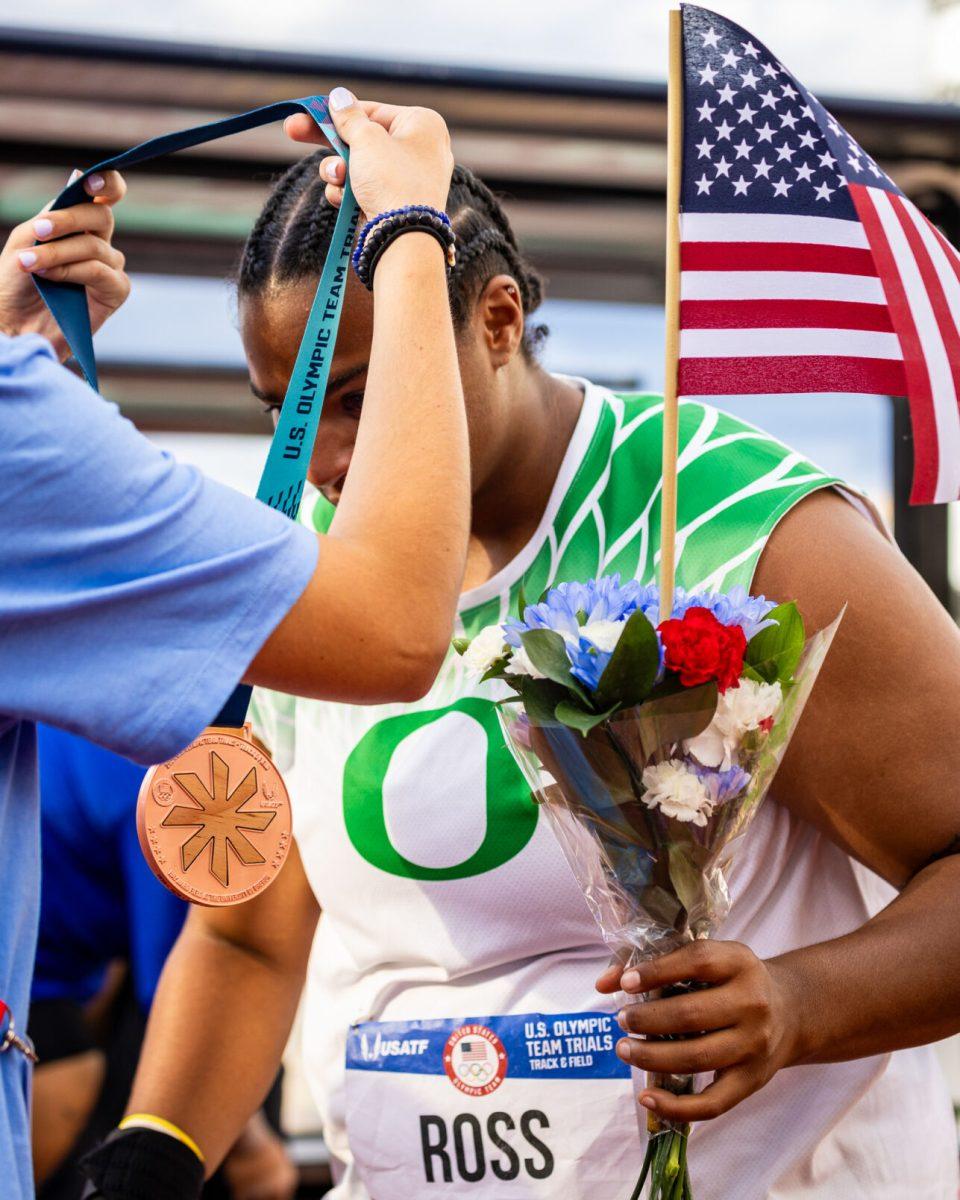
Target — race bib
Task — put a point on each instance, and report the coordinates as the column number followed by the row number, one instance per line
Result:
column 529, row 1105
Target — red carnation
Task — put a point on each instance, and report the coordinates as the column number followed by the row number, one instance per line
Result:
column 699, row 648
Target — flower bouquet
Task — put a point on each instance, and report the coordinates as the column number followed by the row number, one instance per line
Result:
column 651, row 742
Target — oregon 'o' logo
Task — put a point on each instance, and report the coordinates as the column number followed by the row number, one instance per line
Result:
column 436, row 795
column 475, row 1060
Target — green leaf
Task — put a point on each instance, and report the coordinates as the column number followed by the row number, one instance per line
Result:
column 497, row 669
column 568, row 713
column 461, row 645
column 775, row 651
column 686, row 876
column 632, row 669
column 540, row 699
column 656, row 725
column 548, row 653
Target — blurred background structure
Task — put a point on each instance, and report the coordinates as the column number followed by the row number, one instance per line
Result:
column 558, row 106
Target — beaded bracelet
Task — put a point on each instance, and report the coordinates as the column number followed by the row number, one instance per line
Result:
column 384, row 228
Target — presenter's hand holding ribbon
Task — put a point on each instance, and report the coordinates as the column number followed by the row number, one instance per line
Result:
column 69, row 245
column 398, row 158
column 400, row 168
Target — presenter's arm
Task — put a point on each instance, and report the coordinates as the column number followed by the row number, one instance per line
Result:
column 376, row 619
column 223, row 1011
column 874, row 765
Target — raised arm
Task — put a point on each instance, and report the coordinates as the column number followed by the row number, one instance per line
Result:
column 375, row 621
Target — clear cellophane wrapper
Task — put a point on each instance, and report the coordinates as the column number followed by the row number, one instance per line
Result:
column 653, row 882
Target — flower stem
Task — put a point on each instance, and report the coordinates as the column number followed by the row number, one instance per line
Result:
column 647, row 1160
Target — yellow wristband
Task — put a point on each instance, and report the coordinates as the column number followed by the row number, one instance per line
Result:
column 161, row 1125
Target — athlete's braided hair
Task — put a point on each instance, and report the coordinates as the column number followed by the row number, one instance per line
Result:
column 292, row 234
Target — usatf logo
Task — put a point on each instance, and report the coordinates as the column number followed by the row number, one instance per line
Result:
column 475, row 1060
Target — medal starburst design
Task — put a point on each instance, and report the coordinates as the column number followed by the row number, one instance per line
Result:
column 220, row 819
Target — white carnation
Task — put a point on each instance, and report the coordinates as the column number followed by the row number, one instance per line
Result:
column 485, row 649
column 739, row 711
column 603, row 634
column 520, row 664
column 677, row 792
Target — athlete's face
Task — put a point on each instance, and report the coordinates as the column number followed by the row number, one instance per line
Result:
column 271, row 326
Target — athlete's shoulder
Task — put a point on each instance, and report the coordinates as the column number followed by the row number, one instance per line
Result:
column 707, row 434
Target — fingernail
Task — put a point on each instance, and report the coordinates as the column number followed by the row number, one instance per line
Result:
column 630, row 980
column 43, row 227
column 331, row 170
column 623, row 1047
column 341, row 98
column 27, row 258
column 622, row 1019
column 96, row 183
column 648, row 1102
column 74, row 176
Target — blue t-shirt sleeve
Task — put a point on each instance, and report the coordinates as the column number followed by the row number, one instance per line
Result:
column 134, row 592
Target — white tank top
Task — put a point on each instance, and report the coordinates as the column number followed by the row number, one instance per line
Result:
column 453, row 1038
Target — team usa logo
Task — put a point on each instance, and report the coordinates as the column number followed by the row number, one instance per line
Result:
column 475, row 1060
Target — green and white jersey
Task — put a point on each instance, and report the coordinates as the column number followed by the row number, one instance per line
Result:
column 453, row 1036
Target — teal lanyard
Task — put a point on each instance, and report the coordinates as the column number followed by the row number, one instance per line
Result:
column 285, row 471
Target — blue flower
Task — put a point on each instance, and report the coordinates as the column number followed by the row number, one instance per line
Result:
column 568, row 606
column 589, row 617
column 722, row 785
column 736, row 607
column 584, row 615
column 587, row 661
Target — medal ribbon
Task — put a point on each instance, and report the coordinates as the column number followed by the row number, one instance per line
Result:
column 285, row 471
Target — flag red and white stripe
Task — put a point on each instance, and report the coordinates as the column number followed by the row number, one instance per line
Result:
column 803, row 267
column 775, row 304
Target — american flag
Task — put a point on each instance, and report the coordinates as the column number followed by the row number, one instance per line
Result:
column 473, row 1051
column 804, row 268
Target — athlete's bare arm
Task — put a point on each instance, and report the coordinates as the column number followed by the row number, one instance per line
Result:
column 874, row 764
column 376, row 620
column 223, row 1012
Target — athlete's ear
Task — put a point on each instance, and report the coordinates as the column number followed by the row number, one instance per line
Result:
column 500, row 315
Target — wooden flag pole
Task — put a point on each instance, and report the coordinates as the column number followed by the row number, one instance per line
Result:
column 668, row 499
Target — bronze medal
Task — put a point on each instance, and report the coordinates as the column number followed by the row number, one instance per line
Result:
column 215, row 822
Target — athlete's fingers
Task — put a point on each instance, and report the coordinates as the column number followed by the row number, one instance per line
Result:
column 709, row 962
column 730, row 1087
column 686, row 1056
column 689, row 1012
column 334, row 195
column 80, row 248
column 609, row 981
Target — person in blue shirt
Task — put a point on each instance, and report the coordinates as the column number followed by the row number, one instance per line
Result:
column 102, row 908
column 135, row 593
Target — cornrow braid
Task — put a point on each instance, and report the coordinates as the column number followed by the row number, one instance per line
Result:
column 291, row 236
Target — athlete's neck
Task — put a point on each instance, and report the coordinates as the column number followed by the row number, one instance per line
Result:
column 507, row 506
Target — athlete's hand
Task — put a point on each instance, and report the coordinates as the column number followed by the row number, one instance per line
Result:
column 744, row 1026
column 88, row 258
column 398, row 156
column 258, row 1166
